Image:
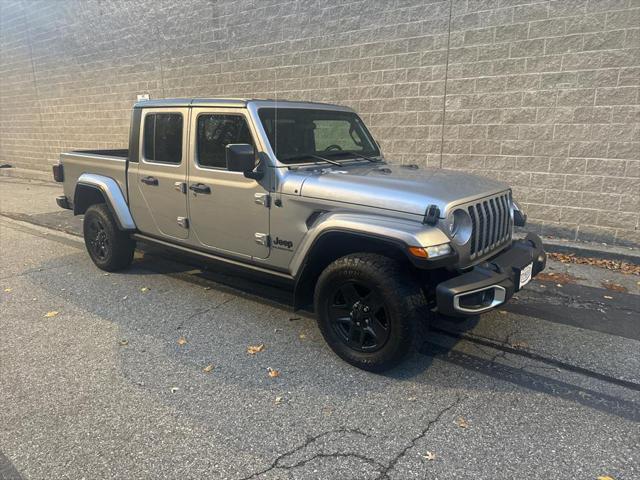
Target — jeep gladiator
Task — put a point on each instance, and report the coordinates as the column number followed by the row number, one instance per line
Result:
column 300, row 193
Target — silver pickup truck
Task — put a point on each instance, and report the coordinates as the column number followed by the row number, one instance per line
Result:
column 300, row 193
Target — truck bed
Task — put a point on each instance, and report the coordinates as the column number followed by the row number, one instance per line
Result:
column 110, row 163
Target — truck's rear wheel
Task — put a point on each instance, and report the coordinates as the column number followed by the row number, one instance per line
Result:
column 369, row 310
column 109, row 247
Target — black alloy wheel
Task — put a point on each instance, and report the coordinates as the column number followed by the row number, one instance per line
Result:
column 98, row 239
column 358, row 316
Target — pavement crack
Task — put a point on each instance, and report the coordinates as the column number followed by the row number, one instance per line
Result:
column 203, row 311
column 310, row 440
column 384, row 473
column 336, row 455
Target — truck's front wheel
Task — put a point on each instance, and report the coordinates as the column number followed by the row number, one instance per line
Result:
column 369, row 310
column 110, row 248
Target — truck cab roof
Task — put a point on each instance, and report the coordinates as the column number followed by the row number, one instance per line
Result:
column 235, row 103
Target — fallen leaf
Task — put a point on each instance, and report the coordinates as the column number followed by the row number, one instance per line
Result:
column 125, row 297
column 253, row 349
column 174, row 389
column 51, row 314
column 278, row 400
column 614, row 287
column 106, row 274
column 207, row 288
column 605, row 477
column 430, row 456
column 412, row 399
column 623, row 267
column 520, row 345
column 208, row 368
column 272, row 372
column 608, row 297
column 558, row 278
column 462, row 422
column 8, row 290
column 182, row 341
column 144, row 289
column 124, row 342
column 302, row 336
column 502, row 312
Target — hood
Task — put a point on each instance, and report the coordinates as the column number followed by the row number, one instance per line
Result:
column 396, row 187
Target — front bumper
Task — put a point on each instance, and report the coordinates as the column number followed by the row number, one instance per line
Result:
column 493, row 282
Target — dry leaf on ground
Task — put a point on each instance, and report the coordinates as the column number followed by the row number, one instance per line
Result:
column 614, row 287
column 124, row 342
column 7, row 290
column 51, row 314
column 429, row 456
column 520, row 345
column 278, row 400
column 608, row 297
column 302, row 336
column 272, row 372
column 605, row 477
column 144, row 289
column 182, row 341
column 462, row 422
column 174, row 389
column 253, row 349
column 558, row 278
column 208, row 368
column 623, row 267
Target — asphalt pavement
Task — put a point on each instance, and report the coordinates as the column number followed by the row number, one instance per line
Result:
column 146, row 374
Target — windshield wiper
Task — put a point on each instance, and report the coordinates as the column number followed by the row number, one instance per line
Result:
column 310, row 155
column 349, row 152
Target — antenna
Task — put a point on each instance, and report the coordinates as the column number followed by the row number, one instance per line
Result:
column 275, row 117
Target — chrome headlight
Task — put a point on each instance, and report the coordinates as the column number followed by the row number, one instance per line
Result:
column 460, row 226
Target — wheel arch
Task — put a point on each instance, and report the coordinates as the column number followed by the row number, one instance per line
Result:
column 94, row 189
column 334, row 244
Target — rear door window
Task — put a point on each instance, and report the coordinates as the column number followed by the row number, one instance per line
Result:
column 163, row 137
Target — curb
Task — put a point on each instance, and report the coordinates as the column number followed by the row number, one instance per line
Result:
column 592, row 251
column 43, row 175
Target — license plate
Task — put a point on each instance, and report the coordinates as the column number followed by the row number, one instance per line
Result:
column 525, row 275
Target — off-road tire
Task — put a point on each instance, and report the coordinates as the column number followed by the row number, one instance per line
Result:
column 117, row 249
column 400, row 294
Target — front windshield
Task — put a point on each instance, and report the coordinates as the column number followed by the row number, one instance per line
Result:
column 300, row 135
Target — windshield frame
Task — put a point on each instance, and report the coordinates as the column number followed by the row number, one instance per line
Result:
column 314, row 158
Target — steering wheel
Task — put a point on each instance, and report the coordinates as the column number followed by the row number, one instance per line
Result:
column 333, row 147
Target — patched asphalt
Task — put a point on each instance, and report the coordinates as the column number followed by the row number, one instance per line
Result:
column 549, row 387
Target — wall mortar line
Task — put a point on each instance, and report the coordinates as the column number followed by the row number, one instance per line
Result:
column 446, row 76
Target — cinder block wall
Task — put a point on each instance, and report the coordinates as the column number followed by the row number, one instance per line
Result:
column 541, row 94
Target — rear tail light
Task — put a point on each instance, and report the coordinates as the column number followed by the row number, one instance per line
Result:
column 58, row 173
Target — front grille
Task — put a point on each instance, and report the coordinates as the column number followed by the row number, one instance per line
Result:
column 491, row 222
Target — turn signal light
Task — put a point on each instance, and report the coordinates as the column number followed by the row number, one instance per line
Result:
column 419, row 252
column 431, row 252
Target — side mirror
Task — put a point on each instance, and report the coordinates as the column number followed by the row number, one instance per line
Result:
column 241, row 157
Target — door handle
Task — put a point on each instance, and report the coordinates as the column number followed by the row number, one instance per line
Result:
column 149, row 180
column 200, row 188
